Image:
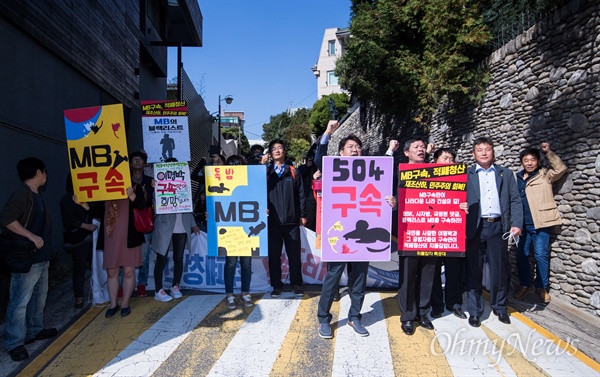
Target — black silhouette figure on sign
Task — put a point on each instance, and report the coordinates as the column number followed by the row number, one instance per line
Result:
column 95, row 128
column 218, row 189
column 255, row 230
column 168, row 145
column 362, row 234
column 119, row 159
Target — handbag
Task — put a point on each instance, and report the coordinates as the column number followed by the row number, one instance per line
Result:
column 17, row 253
column 143, row 219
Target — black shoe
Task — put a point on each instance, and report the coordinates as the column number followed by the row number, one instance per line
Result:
column 504, row 318
column 125, row 312
column 276, row 292
column 44, row 334
column 18, row 353
column 426, row 323
column 408, row 327
column 78, row 305
column 459, row 313
column 337, row 295
column 474, row 321
column 436, row 314
column 111, row 311
column 298, row 291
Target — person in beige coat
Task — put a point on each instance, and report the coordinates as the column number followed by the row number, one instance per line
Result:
column 540, row 214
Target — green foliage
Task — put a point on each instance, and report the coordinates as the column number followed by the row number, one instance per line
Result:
column 408, row 55
column 297, row 149
column 321, row 112
column 229, row 133
column 294, row 130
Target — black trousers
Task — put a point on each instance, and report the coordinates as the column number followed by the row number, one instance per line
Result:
column 414, row 290
column 357, row 281
column 82, row 258
column 290, row 236
column 487, row 244
column 454, row 268
column 179, row 240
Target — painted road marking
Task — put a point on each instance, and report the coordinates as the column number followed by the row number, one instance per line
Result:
column 254, row 348
column 146, row 353
column 363, row 356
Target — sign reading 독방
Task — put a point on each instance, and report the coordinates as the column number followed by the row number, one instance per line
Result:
column 430, row 222
column 236, row 202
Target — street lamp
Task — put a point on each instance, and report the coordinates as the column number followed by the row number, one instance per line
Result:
column 228, row 99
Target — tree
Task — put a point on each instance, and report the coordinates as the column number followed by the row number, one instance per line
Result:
column 406, row 56
column 321, row 111
column 230, row 133
column 277, row 124
column 293, row 129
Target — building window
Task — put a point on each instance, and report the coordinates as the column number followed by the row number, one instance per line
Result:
column 331, row 78
column 331, row 47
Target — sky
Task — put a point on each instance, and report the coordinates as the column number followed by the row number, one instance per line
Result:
column 261, row 53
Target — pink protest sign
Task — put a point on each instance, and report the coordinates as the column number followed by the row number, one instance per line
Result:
column 356, row 219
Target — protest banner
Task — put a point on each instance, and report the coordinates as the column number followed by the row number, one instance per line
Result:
column 165, row 130
column 236, row 201
column 98, row 152
column 430, row 222
column 356, row 219
column 173, row 190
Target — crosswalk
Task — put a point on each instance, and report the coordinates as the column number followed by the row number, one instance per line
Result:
column 199, row 336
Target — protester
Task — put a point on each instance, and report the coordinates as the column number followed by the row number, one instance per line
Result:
column 121, row 243
column 416, row 273
column 453, row 266
column 494, row 214
column 256, row 155
column 231, row 263
column 25, row 216
column 77, row 230
column 357, row 271
column 309, row 172
column 540, row 214
column 175, row 229
column 287, row 211
column 137, row 162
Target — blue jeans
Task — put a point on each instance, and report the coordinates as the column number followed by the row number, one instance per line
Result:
column 25, row 312
column 246, row 272
column 142, row 278
column 540, row 238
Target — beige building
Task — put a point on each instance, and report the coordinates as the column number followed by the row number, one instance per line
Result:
column 332, row 48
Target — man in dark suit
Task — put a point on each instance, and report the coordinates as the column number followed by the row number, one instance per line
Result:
column 494, row 211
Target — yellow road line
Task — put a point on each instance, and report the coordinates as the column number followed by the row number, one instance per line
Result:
column 60, row 343
column 106, row 337
column 303, row 349
column 196, row 355
column 515, row 359
column 411, row 355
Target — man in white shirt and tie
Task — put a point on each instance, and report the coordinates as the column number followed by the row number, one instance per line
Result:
column 493, row 210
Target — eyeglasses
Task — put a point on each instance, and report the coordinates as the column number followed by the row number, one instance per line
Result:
column 277, row 149
column 137, row 159
column 353, row 146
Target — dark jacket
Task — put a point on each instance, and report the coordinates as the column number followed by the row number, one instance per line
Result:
column 508, row 193
column 134, row 238
column 19, row 206
column 286, row 202
column 73, row 216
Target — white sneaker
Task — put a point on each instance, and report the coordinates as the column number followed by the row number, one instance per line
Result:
column 247, row 300
column 162, row 296
column 175, row 292
column 231, row 303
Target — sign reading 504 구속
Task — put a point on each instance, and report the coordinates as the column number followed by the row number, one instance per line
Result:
column 356, row 218
column 430, row 222
column 173, row 191
column 236, row 201
column 98, row 152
